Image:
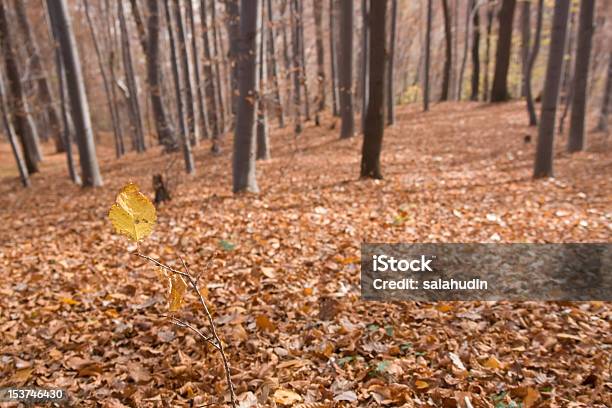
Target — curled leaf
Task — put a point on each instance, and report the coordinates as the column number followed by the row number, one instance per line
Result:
column 133, row 214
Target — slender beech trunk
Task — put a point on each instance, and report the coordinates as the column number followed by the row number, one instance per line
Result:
column 333, row 57
column 581, row 74
column 365, row 46
column 391, row 66
column 303, row 71
column 244, row 177
column 449, row 52
column 280, row 111
column 210, row 76
column 288, row 71
column 262, row 145
column 111, row 39
column 200, row 100
column 470, row 9
column 427, row 57
column 187, row 89
column 10, row 134
column 138, row 143
column 543, row 166
column 38, row 71
column 487, row 61
column 17, row 104
column 346, row 69
column 566, row 90
column 525, row 43
column 67, row 126
column 232, row 11
column 475, row 52
column 375, row 117
column 297, row 94
column 107, row 92
column 60, row 20
column 499, row 91
column 318, row 17
column 455, row 54
column 176, row 76
column 533, row 119
column 220, row 68
column 602, row 123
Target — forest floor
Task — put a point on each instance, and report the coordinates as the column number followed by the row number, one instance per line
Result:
column 80, row 312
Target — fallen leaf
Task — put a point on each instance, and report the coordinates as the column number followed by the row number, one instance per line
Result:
column 284, row 396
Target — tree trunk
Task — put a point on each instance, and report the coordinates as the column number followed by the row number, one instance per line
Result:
column 209, row 79
column 200, row 100
column 318, row 17
column 374, row 129
column 10, row 134
column 475, row 52
column 187, row 89
column 543, row 166
column 112, row 37
column 364, row 62
column 471, row 9
column 487, row 61
column 525, row 43
column 38, row 71
column 391, row 66
column 533, row 119
column 499, row 91
column 333, row 57
column 138, row 143
column 219, row 75
column 297, row 95
column 60, row 20
column 303, row 71
column 17, row 104
column 233, row 31
column 262, row 145
column 176, row 76
column 244, row 177
column 452, row 84
column 566, row 89
column 602, row 123
column 109, row 101
column 427, row 57
column 288, row 71
column 581, row 73
column 449, row 52
column 346, row 69
column 274, row 66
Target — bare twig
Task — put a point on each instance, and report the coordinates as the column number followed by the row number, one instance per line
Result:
column 213, row 339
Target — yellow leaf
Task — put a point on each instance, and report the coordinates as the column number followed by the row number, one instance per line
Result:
column 133, row 214
column 177, row 292
column 68, row 301
column 21, row 376
column 420, row 384
column 286, row 397
column 531, row 398
column 493, row 363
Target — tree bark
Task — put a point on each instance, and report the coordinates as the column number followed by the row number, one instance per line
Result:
column 448, row 56
column 200, row 100
column 109, row 101
column 303, row 71
column 468, row 12
column 566, row 89
column 17, row 104
column 176, row 76
column 364, row 62
column 346, row 69
column 391, row 66
column 263, row 147
column 297, row 93
column 487, row 60
column 525, row 43
column 10, row 133
column 187, row 89
column 581, row 73
column 138, row 143
column 274, row 66
column 244, row 177
column 60, row 19
column 543, row 166
column 318, row 17
column 499, row 91
column 333, row 57
column 475, row 53
column 533, row 119
column 233, row 30
column 219, row 66
column 38, row 71
column 427, row 57
column 374, row 129
column 602, row 123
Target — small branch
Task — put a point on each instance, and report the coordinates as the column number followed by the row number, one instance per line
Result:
column 166, row 267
